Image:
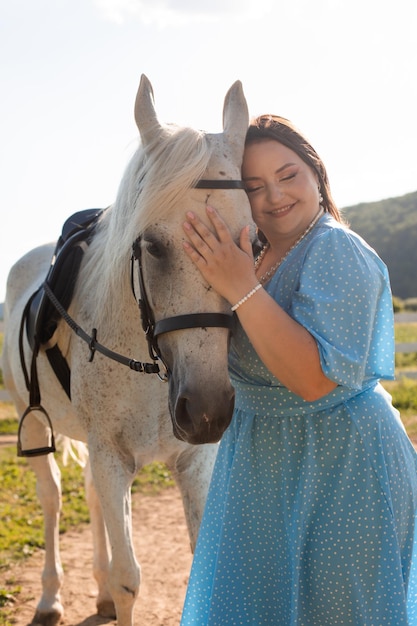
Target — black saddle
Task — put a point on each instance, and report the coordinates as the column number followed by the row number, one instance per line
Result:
column 40, row 317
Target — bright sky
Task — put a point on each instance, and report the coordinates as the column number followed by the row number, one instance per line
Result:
column 343, row 70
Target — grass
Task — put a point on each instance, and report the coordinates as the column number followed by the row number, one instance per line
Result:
column 21, row 530
column 405, row 333
column 8, row 419
column 404, row 398
column 7, row 599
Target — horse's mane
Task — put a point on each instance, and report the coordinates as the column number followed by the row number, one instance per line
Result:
column 152, row 186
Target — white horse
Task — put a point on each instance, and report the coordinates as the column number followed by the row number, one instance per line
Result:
column 122, row 414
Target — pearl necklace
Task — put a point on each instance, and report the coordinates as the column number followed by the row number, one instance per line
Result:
column 265, row 277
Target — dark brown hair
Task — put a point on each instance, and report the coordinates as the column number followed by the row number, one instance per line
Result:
column 282, row 130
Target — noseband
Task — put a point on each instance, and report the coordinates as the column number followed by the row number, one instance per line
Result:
column 153, row 329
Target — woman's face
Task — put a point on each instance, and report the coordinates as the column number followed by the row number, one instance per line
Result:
column 282, row 189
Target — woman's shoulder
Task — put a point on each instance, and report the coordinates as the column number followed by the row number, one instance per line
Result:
column 332, row 232
column 335, row 244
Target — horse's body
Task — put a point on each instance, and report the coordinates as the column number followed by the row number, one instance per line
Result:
column 121, row 414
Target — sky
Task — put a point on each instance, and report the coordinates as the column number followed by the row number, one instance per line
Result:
column 344, row 71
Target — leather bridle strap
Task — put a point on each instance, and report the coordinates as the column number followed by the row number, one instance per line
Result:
column 193, row 320
column 153, row 329
column 94, row 345
column 205, row 183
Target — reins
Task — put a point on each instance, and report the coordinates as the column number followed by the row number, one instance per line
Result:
column 94, row 345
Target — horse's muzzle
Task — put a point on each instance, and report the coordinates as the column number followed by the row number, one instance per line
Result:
column 197, row 420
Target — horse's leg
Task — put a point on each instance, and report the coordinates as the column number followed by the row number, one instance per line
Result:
column 113, row 480
column 192, row 470
column 48, row 487
column 105, row 604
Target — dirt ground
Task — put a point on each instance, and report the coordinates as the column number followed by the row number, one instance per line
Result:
column 162, row 548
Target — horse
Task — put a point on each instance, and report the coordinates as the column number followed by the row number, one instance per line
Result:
column 128, row 418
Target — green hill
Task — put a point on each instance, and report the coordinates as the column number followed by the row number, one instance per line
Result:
column 390, row 226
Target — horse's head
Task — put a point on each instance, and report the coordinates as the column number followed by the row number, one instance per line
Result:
column 201, row 398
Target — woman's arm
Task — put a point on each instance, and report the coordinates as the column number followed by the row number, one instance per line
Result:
column 286, row 348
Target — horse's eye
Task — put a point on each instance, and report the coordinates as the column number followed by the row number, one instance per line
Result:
column 155, row 249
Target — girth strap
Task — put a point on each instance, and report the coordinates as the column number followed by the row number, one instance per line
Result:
column 61, row 368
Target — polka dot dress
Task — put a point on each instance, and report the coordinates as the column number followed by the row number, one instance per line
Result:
column 310, row 518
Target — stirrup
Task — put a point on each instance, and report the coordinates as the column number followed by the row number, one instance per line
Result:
column 35, row 451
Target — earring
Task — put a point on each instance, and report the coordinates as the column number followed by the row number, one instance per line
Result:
column 320, row 197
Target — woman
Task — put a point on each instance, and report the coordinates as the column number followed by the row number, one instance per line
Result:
column 310, row 518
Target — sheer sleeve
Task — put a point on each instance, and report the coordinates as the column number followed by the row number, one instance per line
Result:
column 344, row 300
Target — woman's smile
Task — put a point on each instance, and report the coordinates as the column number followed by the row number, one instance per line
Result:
column 283, row 211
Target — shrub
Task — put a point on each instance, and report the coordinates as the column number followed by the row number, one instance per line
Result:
column 397, row 304
column 410, row 304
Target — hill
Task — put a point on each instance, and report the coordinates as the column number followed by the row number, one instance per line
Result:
column 390, row 226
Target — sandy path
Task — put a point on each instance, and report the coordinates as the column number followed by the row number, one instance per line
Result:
column 162, row 548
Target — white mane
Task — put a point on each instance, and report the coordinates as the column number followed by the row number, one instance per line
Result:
column 152, row 186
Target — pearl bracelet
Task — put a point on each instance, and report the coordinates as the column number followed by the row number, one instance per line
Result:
column 248, row 295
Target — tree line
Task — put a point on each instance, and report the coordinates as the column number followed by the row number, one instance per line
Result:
column 390, row 227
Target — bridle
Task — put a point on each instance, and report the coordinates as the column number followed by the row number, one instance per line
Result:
column 154, row 329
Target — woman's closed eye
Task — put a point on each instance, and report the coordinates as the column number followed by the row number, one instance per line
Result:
column 288, row 177
column 253, row 188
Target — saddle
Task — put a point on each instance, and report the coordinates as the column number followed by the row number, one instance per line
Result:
column 40, row 317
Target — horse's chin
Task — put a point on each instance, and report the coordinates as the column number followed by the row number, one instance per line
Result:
column 199, row 438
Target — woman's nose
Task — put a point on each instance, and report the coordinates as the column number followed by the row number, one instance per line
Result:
column 274, row 193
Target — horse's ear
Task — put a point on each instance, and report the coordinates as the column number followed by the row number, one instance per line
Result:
column 145, row 114
column 236, row 117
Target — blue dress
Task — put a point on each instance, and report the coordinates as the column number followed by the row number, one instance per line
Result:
column 310, row 517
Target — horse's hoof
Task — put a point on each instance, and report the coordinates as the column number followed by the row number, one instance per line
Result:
column 106, row 608
column 50, row 618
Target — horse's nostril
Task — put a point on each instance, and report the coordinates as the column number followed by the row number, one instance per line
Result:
column 195, row 424
column 183, row 418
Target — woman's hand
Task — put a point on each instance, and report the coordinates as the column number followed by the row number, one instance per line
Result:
column 286, row 348
column 226, row 266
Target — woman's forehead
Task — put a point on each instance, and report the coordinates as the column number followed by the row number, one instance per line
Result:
column 270, row 152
